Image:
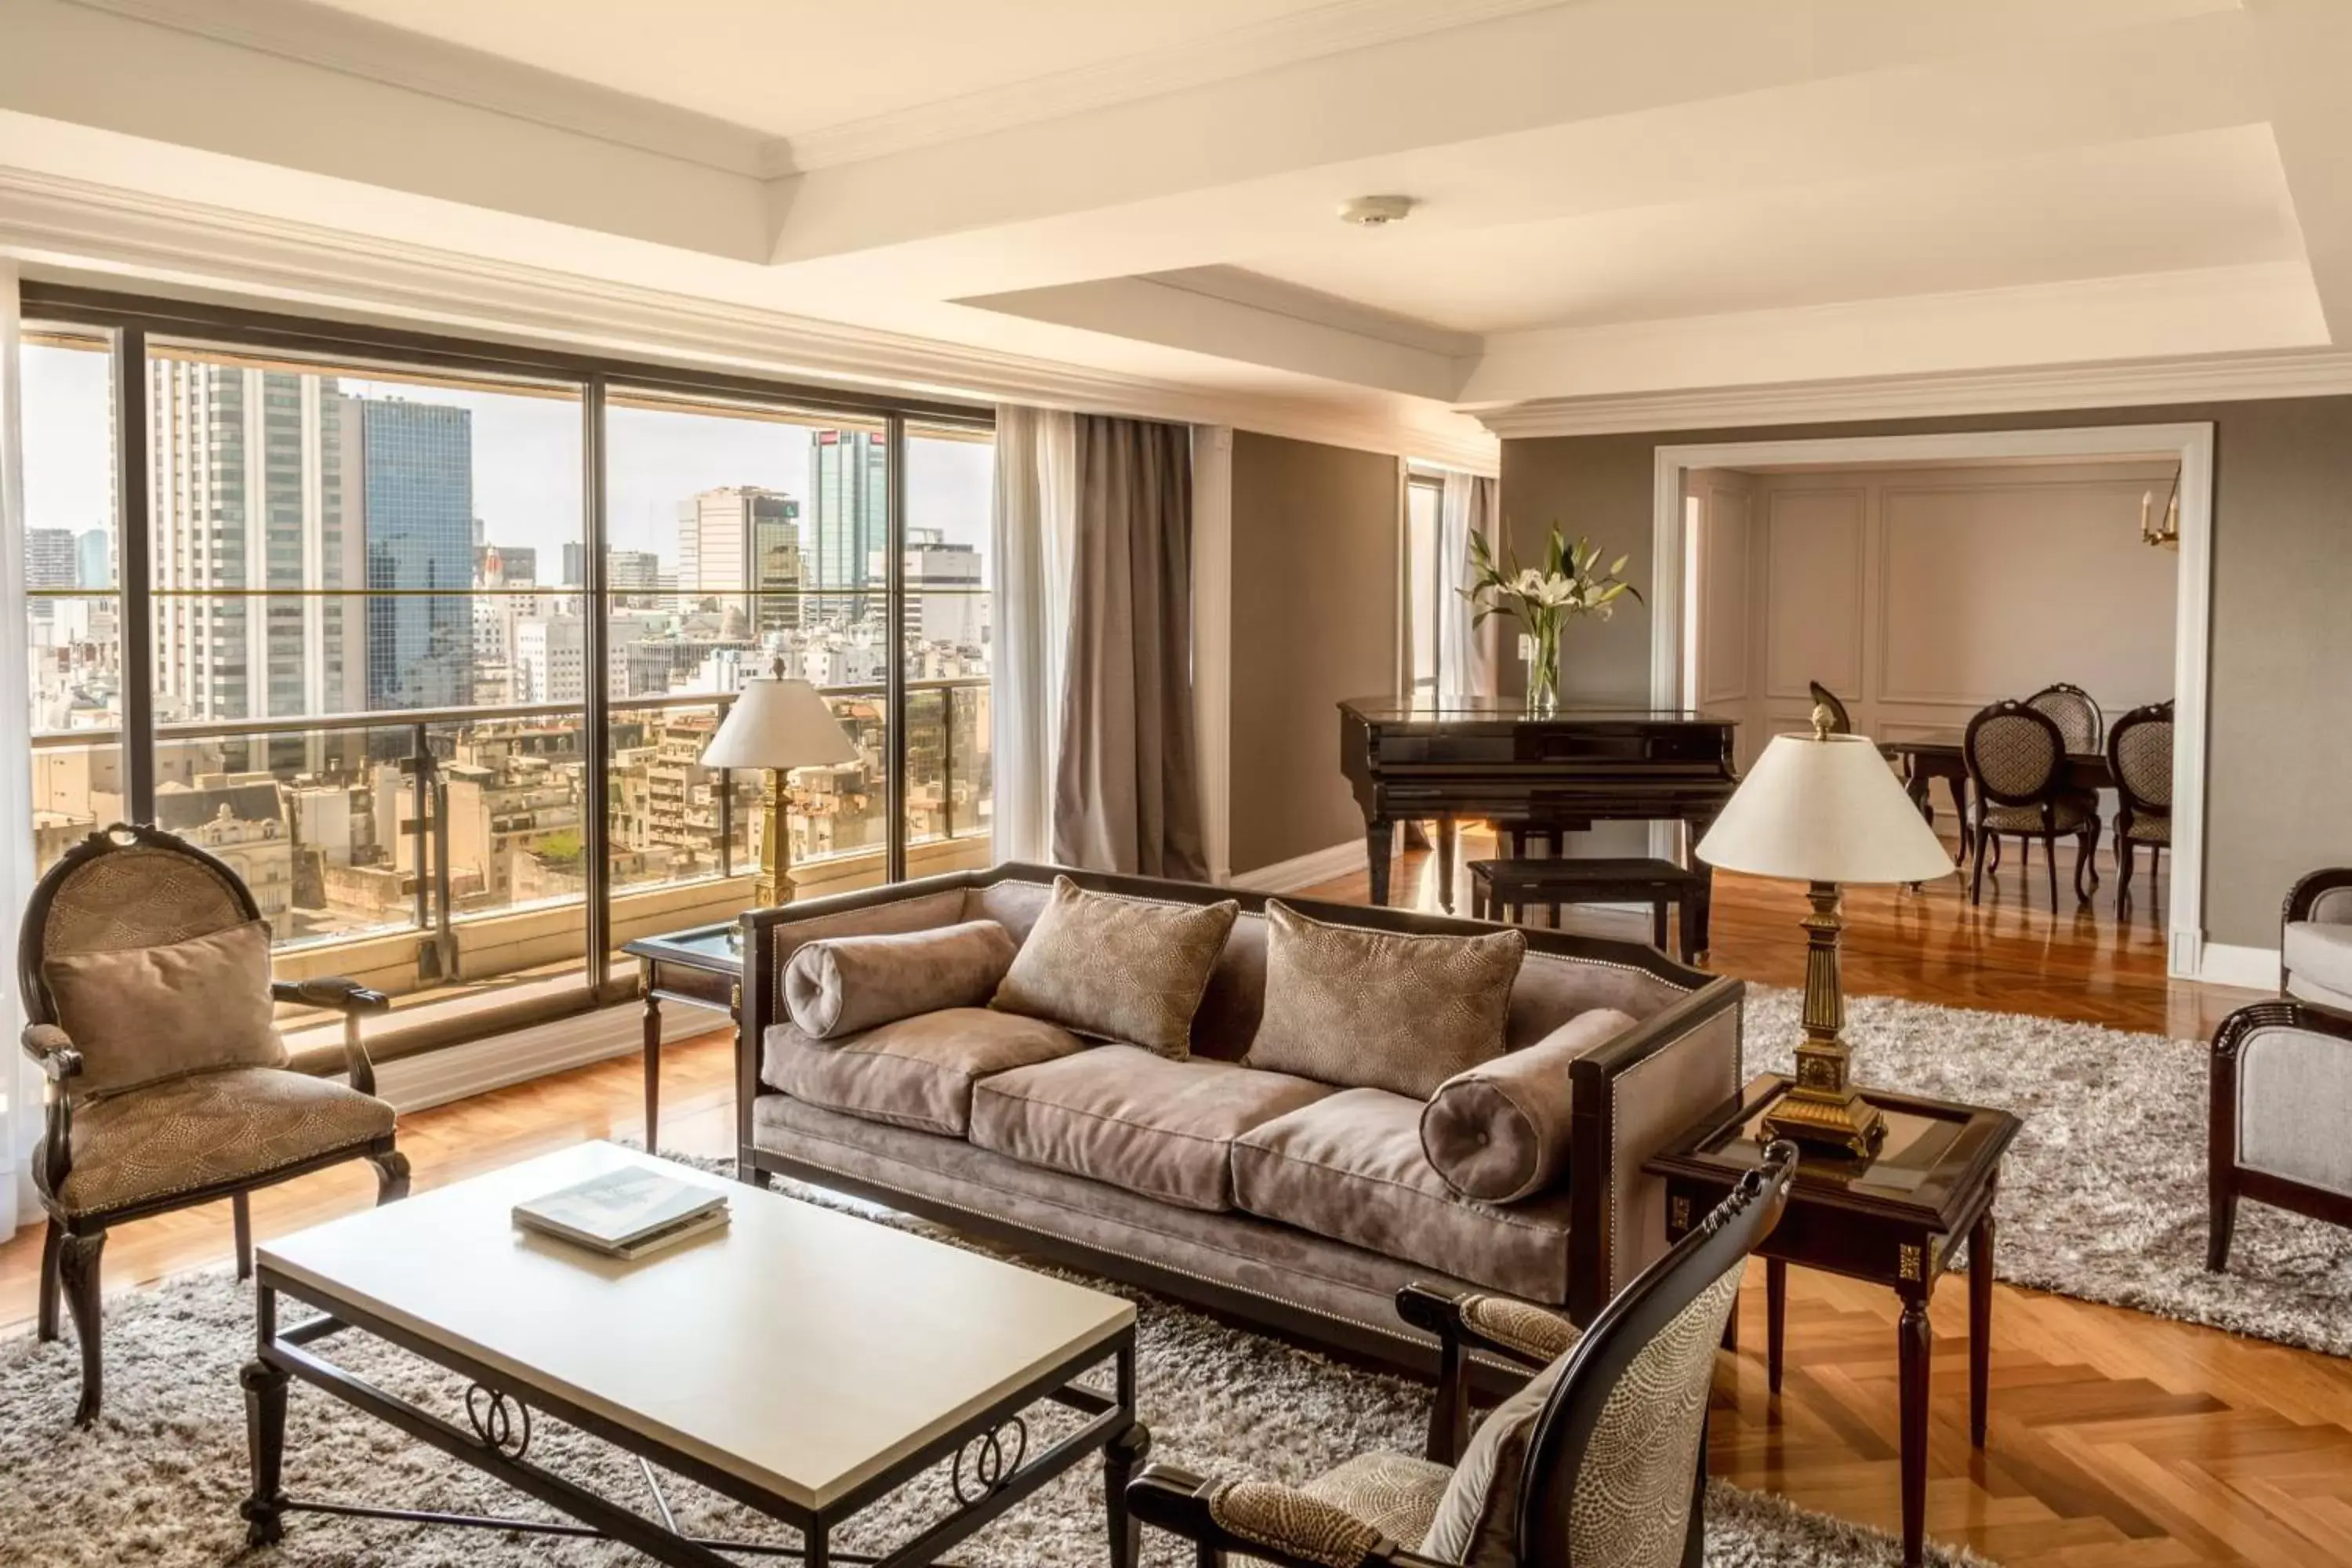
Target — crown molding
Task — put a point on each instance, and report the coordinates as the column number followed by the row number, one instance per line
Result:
column 1329, row 29
column 355, row 45
column 2229, row 378
column 81, row 228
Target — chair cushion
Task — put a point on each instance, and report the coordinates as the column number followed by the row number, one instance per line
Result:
column 197, row 1131
column 1396, row 1494
column 912, row 1072
column 841, row 984
column 1374, row 1009
column 1473, row 1521
column 1500, row 1130
column 2318, row 958
column 1123, row 969
column 141, row 1014
column 1351, row 1167
column 2069, row 814
column 1134, row 1119
column 2148, row 829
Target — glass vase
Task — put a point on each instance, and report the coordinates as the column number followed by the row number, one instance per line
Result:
column 1541, row 647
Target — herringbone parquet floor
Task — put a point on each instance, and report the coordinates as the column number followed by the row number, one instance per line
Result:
column 2118, row 1440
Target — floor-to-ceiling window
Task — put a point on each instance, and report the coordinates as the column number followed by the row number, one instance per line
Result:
column 427, row 638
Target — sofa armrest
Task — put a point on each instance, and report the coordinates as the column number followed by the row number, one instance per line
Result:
column 1632, row 1097
column 2325, row 895
column 771, row 935
column 2284, row 1115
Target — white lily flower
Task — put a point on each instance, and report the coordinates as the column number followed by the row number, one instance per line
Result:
column 1528, row 584
column 1555, row 590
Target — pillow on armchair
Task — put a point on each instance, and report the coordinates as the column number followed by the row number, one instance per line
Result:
column 141, row 1014
column 840, row 986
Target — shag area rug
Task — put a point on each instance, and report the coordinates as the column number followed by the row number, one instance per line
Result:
column 158, row 1479
column 2103, row 1194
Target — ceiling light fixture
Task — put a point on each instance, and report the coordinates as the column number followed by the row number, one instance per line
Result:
column 1371, row 212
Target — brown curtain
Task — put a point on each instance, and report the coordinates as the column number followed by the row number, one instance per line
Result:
column 1125, row 796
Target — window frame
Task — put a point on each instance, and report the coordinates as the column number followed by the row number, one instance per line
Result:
column 128, row 323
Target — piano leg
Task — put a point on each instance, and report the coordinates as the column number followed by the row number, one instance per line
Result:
column 1446, row 839
column 1380, row 842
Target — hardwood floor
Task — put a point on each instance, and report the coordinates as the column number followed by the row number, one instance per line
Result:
column 2118, row 1440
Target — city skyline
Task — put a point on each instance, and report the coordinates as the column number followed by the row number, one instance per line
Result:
column 526, row 462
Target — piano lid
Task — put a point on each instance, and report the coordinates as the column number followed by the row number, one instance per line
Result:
column 1424, row 708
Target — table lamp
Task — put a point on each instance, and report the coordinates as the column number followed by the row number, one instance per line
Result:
column 1824, row 809
column 778, row 724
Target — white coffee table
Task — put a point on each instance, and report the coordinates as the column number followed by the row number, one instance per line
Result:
column 802, row 1361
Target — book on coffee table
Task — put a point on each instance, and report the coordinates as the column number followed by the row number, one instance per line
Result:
column 625, row 1213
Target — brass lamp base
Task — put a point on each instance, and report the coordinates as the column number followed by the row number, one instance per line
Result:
column 774, row 885
column 1823, row 1110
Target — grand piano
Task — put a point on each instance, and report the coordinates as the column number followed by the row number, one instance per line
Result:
column 1411, row 758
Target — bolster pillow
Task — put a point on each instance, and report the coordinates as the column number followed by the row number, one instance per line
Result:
column 842, row 985
column 1498, row 1132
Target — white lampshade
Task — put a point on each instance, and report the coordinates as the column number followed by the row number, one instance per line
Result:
column 1823, row 809
column 779, row 724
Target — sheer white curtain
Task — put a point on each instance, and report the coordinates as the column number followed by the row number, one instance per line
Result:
column 20, row 1091
column 1034, row 535
column 1468, row 659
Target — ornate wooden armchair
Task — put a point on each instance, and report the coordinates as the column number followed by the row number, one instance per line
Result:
column 1601, row 1458
column 2282, row 1085
column 2315, row 940
column 2139, row 755
column 2016, row 758
column 141, row 1121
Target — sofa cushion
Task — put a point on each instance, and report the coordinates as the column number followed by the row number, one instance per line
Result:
column 1134, row 1119
column 1124, row 969
column 141, row 1014
column 912, row 1072
column 845, row 984
column 2318, row 958
column 1500, row 1130
column 1381, row 1009
column 1351, row 1167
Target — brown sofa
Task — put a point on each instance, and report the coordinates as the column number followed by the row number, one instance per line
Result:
column 1304, row 1206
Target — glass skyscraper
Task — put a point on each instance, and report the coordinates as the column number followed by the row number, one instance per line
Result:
column 416, row 499
column 848, row 524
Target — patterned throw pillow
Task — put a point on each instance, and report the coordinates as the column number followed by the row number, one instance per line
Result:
column 1125, row 969
column 1374, row 1009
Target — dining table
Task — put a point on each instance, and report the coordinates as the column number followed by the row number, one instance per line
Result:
column 1942, row 755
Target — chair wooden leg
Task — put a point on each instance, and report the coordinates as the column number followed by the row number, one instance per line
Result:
column 2087, row 852
column 2220, row 1220
column 240, row 1210
column 391, row 1176
column 78, row 1258
column 2124, row 858
column 51, row 1240
column 1976, row 868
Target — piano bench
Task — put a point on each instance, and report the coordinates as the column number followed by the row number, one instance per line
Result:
column 1506, row 890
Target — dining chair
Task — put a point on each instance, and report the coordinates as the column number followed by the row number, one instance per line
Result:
column 2139, row 756
column 1601, row 1458
column 2074, row 712
column 144, row 968
column 1841, row 722
column 2016, row 759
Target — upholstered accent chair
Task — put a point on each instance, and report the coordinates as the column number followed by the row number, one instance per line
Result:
column 1841, row 722
column 2282, row 1081
column 1601, row 1458
column 142, row 1121
column 2139, row 755
column 2016, row 758
column 2074, row 712
column 2315, row 941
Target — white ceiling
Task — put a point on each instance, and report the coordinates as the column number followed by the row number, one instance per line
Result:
column 1617, row 197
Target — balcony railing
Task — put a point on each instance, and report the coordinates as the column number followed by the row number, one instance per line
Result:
column 384, row 896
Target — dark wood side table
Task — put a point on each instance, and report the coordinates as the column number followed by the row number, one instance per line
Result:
column 703, row 966
column 1894, row 1220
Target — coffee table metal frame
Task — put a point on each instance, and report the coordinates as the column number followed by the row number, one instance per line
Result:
column 991, row 1467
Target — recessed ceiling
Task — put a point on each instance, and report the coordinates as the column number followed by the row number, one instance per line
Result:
column 785, row 67
column 2172, row 204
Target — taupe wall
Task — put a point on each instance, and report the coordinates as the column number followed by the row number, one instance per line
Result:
column 2279, row 790
column 1315, row 586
